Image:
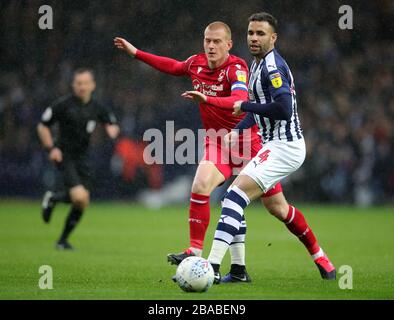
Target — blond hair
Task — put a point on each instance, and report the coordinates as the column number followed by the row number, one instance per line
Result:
column 219, row 25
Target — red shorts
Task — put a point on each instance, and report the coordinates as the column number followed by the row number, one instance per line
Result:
column 231, row 163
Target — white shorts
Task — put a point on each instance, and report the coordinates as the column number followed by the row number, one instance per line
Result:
column 275, row 161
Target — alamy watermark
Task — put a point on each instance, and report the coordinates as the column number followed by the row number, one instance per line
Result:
column 45, row 22
column 345, row 281
column 182, row 146
column 45, row 281
column 345, row 22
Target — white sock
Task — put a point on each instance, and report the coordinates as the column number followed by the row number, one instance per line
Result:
column 237, row 251
column 218, row 251
column 318, row 254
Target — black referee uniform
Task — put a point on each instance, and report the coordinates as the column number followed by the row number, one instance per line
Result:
column 76, row 121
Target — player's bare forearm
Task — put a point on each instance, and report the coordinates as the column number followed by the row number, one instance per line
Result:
column 45, row 135
column 195, row 96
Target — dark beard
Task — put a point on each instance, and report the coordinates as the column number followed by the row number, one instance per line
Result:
column 258, row 55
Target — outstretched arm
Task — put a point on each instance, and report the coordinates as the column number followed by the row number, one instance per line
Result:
column 239, row 91
column 163, row 64
column 281, row 91
column 237, row 76
column 228, row 102
column 221, row 102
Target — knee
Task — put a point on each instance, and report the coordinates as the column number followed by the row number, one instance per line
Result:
column 278, row 210
column 201, row 186
column 80, row 199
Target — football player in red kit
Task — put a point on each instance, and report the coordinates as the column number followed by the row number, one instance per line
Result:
column 219, row 79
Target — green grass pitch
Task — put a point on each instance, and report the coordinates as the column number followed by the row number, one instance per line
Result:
column 121, row 253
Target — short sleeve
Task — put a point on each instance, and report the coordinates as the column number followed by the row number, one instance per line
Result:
column 238, row 77
column 51, row 114
column 106, row 116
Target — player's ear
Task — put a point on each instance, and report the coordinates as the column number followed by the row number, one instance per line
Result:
column 230, row 44
column 274, row 36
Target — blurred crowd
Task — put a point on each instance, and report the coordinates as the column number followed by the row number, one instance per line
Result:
column 344, row 81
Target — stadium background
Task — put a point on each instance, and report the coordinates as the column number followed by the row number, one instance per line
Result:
column 344, row 81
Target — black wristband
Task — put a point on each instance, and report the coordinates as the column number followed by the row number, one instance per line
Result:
column 49, row 149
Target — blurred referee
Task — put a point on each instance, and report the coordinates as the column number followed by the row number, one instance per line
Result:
column 77, row 115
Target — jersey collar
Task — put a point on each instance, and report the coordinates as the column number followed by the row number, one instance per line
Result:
column 221, row 66
column 268, row 53
column 263, row 58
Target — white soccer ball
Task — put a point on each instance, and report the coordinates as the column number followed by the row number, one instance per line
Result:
column 194, row 274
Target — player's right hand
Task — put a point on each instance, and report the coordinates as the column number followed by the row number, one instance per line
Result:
column 56, row 155
column 231, row 138
column 126, row 46
column 237, row 108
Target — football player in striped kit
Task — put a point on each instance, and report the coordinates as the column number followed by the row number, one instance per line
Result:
column 272, row 106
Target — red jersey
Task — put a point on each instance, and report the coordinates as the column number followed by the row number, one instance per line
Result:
column 216, row 83
column 222, row 86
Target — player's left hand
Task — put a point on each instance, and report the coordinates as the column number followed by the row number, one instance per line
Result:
column 112, row 130
column 195, row 95
column 237, row 108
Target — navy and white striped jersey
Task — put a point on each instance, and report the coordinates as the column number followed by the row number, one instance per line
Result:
column 268, row 79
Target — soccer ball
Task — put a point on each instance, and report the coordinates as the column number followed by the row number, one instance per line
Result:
column 194, row 274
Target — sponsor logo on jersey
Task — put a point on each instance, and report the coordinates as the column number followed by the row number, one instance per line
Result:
column 241, row 75
column 211, row 90
column 276, row 80
column 215, row 87
column 196, row 84
column 207, row 89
